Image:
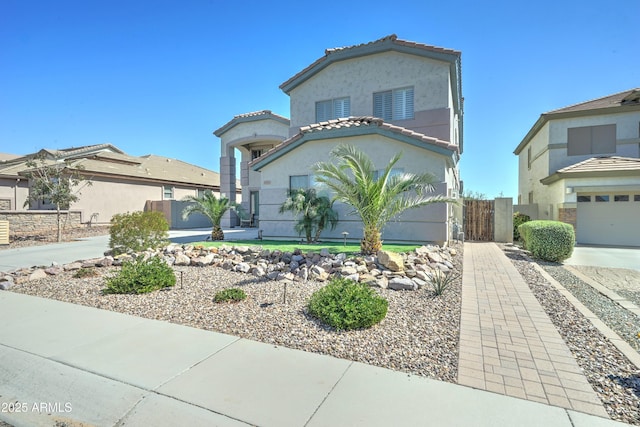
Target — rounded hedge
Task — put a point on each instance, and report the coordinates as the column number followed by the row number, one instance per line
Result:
column 548, row 240
column 345, row 304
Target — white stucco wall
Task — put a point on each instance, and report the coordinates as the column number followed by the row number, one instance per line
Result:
column 359, row 78
column 424, row 224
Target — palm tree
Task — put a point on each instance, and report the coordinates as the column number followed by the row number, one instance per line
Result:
column 210, row 207
column 376, row 200
column 317, row 212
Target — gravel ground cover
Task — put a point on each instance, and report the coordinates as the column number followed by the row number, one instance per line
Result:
column 612, row 376
column 419, row 334
column 624, row 282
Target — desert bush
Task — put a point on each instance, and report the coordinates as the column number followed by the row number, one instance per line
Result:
column 345, row 304
column 137, row 231
column 441, row 281
column 548, row 240
column 83, row 272
column 518, row 220
column 141, row 276
column 230, row 295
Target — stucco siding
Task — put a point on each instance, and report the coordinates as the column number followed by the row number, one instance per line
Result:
column 627, row 137
column 424, row 224
column 259, row 127
column 13, row 194
column 360, row 77
column 529, row 178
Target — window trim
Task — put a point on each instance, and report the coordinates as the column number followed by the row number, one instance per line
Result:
column 344, row 108
column 171, row 192
column 389, row 112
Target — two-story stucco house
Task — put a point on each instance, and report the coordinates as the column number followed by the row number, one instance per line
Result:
column 581, row 165
column 384, row 97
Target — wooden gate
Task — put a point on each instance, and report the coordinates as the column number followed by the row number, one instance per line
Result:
column 478, row 220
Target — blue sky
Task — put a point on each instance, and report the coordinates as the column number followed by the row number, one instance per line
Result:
column 160, row 76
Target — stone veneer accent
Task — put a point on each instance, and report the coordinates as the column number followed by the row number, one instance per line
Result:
column 35, row 222
column 568, row 215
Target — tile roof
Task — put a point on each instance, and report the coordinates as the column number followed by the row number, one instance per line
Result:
column 246, row 117
column 393, row 38
column 363, row 122
column 628, row 97
column 604, row 164
column 385, row 43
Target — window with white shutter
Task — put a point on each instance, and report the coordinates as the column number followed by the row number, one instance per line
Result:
column 333, row 109
column 394, row 104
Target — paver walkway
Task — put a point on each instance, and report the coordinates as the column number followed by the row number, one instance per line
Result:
column 508, row 344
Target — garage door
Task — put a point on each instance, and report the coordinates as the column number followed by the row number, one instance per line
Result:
column 608, row 219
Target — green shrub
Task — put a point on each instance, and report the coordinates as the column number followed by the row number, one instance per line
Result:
column 137, row 231
column 85, row 272
column 518, row 220
column 141, row 276
column 230, row 295
column 548, row 240
column 345, row 304
column 440, row 281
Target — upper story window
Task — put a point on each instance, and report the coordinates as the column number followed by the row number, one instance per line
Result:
column 333, row 109
column 591, row 140
column 394, row 104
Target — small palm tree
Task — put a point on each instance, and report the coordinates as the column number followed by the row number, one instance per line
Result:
column 317, row 212
column 212, row 208
column 376, row 200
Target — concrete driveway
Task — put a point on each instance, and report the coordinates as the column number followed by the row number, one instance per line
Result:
column 610, row 257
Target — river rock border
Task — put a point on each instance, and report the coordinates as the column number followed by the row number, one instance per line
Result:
column 407, row 271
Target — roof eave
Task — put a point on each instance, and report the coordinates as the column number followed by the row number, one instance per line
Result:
column 590, row 174
column 384, row 46
column 239, row 120
column 300, row 139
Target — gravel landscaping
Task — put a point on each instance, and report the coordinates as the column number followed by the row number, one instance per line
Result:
column 419, row 334
column 612, row 376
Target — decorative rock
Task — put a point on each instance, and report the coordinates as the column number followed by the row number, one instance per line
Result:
column 105, row 262
column 382, row 282
column 355, row 277
column 241, row 249
column 419, row 282
column 402, row 283
column 297, row 258
column 391, row 260
column 243, row 267
column 182, row 259
column 348, row 271
column 324, row 252
column 53, row 271
column 5, row 285
column 258, row 271
column 37, row 274
column 72, row 266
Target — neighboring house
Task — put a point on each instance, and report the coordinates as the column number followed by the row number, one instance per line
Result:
column 119, row 182
column 581, row 165
column 384, row 97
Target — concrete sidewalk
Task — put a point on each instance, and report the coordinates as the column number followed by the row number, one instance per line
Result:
column 73, row 364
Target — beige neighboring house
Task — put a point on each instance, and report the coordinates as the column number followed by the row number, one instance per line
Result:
column 384, row 97
column 581, row 165
column 119, row 182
